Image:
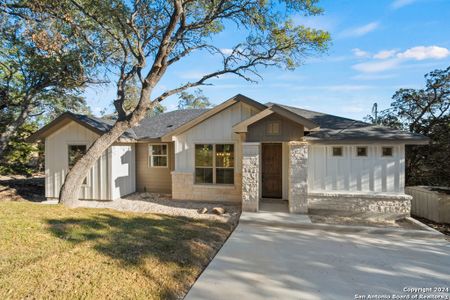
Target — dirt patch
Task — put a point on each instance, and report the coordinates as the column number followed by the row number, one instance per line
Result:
column 442, row 227
column 20, row 188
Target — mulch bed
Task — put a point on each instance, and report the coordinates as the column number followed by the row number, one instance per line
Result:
column 442, row 227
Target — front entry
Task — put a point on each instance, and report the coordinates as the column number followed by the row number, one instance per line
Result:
column 271, row 167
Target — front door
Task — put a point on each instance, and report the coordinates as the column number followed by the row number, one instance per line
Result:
column 272, row 186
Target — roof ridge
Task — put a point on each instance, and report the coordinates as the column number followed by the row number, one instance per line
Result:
column 318, row 112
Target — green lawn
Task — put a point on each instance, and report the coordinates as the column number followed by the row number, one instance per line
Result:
column 56, row 252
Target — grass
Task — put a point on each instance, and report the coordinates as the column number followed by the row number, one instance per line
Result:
column 56, row 252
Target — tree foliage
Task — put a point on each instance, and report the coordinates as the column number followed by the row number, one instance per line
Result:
column 193, row 100
column 144, row 38
column 41, row 75
column 425, row 111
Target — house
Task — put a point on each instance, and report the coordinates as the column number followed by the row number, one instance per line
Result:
column 240, row 151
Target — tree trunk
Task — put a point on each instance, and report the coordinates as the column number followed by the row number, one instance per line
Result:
column 70, row 189
column 11, row 130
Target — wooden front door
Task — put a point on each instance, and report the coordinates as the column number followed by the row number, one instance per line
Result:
column 271, row 162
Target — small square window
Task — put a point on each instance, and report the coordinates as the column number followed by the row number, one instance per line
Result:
column 337, row 151
column 361, row 151
column 387, row 151
column 273, row 128
column 158, row 155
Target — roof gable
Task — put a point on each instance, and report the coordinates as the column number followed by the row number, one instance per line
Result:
column 279, row 110
column 213, row 111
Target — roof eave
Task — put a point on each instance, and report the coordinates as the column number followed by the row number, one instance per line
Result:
column 60, row 120
column 330, row 141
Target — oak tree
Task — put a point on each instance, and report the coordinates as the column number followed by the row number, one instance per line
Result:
column 152, row 36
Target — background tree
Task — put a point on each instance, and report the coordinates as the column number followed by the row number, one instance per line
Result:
column 40, row 77
column 153, row 35
column 193, row 100
column 425, row 111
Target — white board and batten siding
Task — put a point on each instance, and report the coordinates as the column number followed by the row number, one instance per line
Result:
column 123, row 170
column 215, row 130
column 101, row 185
column 350, row 173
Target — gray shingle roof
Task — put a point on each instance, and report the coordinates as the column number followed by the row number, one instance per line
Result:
column 149, row 128
column 100, row 124
column 159, row 125
column 334, row 128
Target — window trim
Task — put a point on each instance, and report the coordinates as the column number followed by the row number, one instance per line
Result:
column 214, row 167
column 69, row 144
column 362, row 156
column 387, row 156
column 150, row 155
column 337, row 156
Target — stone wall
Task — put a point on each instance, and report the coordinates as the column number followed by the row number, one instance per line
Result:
column 250, row 176
column 298, row 177
column 183, row 188
column 383, row 206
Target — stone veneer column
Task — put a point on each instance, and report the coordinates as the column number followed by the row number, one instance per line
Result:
column 250, row 176
column 298, row 177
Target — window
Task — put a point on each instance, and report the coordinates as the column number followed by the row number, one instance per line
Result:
column 225, row 164
column 387, row 151
column 273, row 128
column 337, row 151
column 75, row 153
column 158, row 155
column 361, row 151
column 214, row 163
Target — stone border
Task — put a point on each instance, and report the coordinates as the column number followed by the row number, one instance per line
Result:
column 348, row 228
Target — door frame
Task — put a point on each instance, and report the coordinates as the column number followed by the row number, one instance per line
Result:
column 262, row 170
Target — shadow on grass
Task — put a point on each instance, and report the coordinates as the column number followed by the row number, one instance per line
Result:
column 129, row 240
column 181, row 241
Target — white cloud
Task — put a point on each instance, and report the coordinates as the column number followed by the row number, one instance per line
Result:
column 401, row 3
column 373, row 76
column 361, row 30
column 384, row 54
column 376, row 66
column 360, row 53
column 422, row 52
column 390, row 59
column 226, row 51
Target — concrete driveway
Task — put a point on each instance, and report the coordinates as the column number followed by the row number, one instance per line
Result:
column 263, row 262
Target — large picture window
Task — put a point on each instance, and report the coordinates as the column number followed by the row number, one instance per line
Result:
column 158, row 155
column 214, row 163
column 75, row 153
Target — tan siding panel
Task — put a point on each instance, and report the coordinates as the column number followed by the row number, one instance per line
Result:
column 150, row 179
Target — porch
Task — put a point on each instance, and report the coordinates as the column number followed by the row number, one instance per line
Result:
column 264, row 174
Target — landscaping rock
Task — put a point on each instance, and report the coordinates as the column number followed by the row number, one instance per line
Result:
column 203, row 210
column 218, row 210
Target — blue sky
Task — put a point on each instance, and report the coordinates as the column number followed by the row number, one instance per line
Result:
column 377, row 47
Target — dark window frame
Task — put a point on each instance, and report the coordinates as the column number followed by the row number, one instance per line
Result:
column 337, row 147
column 387, row 147
column 366, row 151
column 214, row 168
column 85, row 181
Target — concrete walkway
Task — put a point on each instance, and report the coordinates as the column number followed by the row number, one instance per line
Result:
column 266, row 262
